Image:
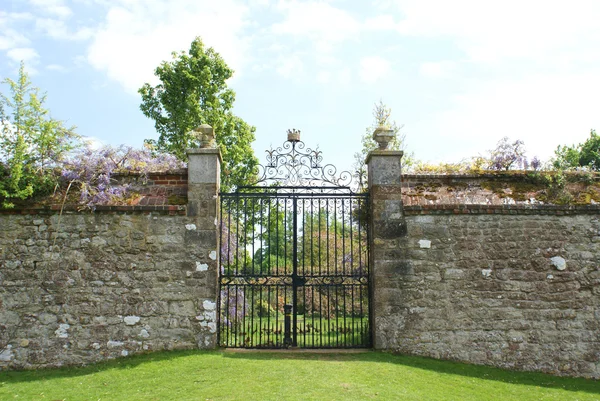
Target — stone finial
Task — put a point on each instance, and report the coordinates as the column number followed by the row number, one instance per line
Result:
column 206, row 135
column 383, row 135
column 293, row 135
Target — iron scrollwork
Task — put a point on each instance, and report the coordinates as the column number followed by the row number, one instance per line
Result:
column 295, row 165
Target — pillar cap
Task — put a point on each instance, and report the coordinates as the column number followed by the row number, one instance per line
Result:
column 205, row 151
column 383, row 153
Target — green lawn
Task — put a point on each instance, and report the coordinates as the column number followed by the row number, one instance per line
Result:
column 196, row 375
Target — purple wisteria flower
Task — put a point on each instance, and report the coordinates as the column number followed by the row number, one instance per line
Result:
column 508, row 155
column 92, row 170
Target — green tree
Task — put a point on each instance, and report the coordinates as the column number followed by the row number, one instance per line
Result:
column 590, row 152
column 276, row 237
column 567, row 157
column 32, row 143
column 193, row 91
column 585, row 154
column 382, row 116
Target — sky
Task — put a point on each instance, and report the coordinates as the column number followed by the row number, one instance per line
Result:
column 458, row 75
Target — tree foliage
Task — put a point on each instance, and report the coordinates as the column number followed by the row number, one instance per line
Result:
column 382, row 116
column 32, row 143
column 193, row 91
column 584, row 155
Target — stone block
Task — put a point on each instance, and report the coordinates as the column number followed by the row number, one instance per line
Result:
column 182, row 308
column 204, row 166
column 384, row 168
column 389, row 229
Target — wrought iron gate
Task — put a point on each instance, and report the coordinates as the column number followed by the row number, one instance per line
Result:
column 294, row 257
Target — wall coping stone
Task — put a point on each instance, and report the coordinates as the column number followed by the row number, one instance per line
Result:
column 181, row 171
column 73, row 209
column 516, row 174
column 500, row 174
column 558, row 210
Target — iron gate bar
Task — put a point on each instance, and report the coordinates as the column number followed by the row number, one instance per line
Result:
column 295, row 282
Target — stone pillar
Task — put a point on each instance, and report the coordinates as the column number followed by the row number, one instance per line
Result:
column 202, row 234
column 204, row 176
column 387, row 226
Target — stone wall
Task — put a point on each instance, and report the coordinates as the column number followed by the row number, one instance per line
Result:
column 465, row 276
column 513, row 286
column 515, row 291
column 85, row 287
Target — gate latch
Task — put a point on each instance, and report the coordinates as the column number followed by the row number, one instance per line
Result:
column 298, row 281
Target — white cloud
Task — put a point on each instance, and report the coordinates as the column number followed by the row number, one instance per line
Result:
column 54, row 7
column 548, row 33
column 381, row 23
column 323, row 77
column 538, row 69
column 10, row 36
column 344, row 76
column 339, row 75
column 317, row 21
column 29, row 56
column 57, row 29
column 325, row 28
column 373, row 69
column 56, row 67
column 492, row 31
column 136, row 36
column 26, row 54
column 290, row 66
column 543, row 111
column 441, row 69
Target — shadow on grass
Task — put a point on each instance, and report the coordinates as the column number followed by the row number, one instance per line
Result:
column 439, row 366
column 16, row 376
column 442, row 367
